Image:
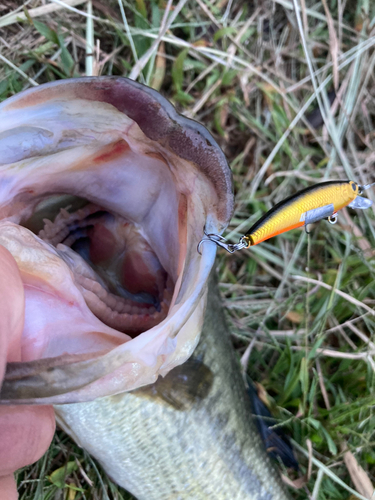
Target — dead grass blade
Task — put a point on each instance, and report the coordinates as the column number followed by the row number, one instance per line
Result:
column 160, row 65
column 19, row 71
column 327, row 471
column 164, row 27
column 14, row 17
column 359, row 477
column 344, row 295
column 89, row 41
column 334, row 45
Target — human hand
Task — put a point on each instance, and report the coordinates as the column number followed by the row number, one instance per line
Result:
column 25, row 431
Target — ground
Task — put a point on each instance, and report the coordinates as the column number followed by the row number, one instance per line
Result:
column 299, row 305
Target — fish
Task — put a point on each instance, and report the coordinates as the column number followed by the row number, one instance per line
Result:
column 310, row 205
column 104, row 193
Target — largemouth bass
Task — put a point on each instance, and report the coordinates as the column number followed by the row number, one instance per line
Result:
column 104, row 194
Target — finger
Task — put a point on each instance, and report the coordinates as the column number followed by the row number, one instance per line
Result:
column 8, row 488
column 25, row 431
column 25, row 434
column 12, row 310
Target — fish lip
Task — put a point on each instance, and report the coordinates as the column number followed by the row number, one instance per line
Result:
column 52, row 384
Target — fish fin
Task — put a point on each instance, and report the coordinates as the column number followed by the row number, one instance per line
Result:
column 183, row 387
column 275, row 439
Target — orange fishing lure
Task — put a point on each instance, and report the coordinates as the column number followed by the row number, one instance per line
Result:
column 321, row 201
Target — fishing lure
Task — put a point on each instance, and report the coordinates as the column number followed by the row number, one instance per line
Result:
column 321, row 201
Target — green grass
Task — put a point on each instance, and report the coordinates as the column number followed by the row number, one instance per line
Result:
column 242, row 71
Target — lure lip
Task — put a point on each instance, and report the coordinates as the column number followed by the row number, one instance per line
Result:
column 360, row 202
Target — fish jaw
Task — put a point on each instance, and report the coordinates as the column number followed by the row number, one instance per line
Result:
column 161, row 178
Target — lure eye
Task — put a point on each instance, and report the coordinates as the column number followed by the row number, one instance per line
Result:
column 354, row 186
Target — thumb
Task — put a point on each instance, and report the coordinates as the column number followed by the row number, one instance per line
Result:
column 12, row 307
column 25, row 431
column 12, row 310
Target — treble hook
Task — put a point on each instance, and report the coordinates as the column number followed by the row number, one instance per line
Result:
column 222, row 242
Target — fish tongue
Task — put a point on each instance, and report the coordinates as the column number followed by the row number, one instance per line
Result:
column 121, row 146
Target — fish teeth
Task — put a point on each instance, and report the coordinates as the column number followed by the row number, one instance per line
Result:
column 111, row 301
column 117, row 312
column 55, row 232
column 64, row 213
column 98, row 290
column 119, row 305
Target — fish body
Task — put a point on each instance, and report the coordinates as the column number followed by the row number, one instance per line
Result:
column 190, row 447
column 305, row 207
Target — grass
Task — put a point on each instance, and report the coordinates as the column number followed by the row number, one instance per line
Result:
column 299, row 306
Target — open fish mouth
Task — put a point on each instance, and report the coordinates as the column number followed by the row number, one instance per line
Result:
column 104, row 193
column 117, row 271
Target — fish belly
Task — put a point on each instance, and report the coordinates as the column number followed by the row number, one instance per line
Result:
column 210, row 449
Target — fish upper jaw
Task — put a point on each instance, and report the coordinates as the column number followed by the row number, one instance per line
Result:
column 162, row 178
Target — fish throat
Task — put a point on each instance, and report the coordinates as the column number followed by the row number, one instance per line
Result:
column 115, row 268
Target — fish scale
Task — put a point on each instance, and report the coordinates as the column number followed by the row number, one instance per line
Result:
column 157, row 452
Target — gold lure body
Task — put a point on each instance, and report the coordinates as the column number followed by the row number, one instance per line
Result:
column 297, row 210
